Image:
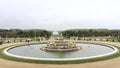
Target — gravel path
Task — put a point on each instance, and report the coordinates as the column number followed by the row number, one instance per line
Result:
column 112, row 63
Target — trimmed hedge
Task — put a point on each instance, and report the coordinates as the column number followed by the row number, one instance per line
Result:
column 1, row 42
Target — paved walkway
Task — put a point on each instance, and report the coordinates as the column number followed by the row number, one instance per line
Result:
column 112, row 63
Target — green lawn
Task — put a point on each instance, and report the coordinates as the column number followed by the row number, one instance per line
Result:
column 3, row 56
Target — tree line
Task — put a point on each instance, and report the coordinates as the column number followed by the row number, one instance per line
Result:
column 90, row 33
column 15, row 33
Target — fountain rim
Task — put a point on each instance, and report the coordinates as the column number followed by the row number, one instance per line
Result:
column 5, row 51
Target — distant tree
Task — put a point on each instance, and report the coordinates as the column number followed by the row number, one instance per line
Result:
column 13, row 33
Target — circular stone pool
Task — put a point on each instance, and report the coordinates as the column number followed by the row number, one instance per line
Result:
column 33, row 52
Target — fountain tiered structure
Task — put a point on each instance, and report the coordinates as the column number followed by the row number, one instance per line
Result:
column 60, row 44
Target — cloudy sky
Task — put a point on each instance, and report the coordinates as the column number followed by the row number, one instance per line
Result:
column 60, row 14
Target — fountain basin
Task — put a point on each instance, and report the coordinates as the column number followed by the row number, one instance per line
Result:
column 33, row 52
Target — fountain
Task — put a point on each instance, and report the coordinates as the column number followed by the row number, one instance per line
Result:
column 60, row 49
column 60, row 44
